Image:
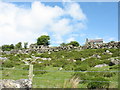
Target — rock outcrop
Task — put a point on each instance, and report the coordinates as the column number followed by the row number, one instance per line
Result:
column 43, row 49
column 22, row 83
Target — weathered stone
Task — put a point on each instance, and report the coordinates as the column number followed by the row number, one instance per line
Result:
column 60, row 68
column 115, row 61
column 101, row 65
column 43, row 49
column 107, row 51
column 3, row 58
column 22, row 83
column 82, row 59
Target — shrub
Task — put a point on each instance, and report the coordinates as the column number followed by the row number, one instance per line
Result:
column 92, row 62
column 25, row 67
column 82, row 67
column 106, row 56
column 116, row 54
column 39, row 72
column 99, row 83
column 109, row 74
column 8, row 64
column 60, row 63
column 114, row 67
column 100, row 50
column 83, row 76
column 39, row 69
column 69, row 67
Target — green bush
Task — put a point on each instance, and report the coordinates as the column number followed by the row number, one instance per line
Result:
column 82, row 67
column 92, row 62
column 109, row 74
column 100, row 50
column 8, row 64
column 25, row 67
column 98, row 84
column 106, row 56
column 60, row 63
column 69, row 67
column 39, row 69
column 116, row 54
column 83, row 76
column 39, row 72
column 114, row 67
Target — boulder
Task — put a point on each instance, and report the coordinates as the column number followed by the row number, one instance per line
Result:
column 96, row 56
column 115, row 61
column 82, row 59
column 107, row 51
column 60, row 68
column 101, row 65
column 22, row 83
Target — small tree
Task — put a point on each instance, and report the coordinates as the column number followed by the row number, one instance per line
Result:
column 18, row 45
column 43, row 40
column 74, row 43
column 25, row 45
column 12, row 46
column 6, row 48
column 63, row 44
column 111, row 41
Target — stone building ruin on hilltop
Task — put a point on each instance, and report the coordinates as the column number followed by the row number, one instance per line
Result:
column 94, row 41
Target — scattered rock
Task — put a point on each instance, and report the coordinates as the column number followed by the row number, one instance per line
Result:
column 60, row 68
column 3, row 58
column 96, row 56
column 22, row 83
column 101, row 65
column 82, row 59
column 114, row 61
column 46, row 59
column 107, row 51
column 43, row 49
column 74, row 60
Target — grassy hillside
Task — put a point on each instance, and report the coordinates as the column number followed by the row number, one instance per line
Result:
column 62, row 66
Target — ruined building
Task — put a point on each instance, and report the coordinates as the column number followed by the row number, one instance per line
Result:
column 94, row 41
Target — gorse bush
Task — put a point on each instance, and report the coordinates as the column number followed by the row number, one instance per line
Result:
column 98, row 83
column 82, row 67
column 82, row 64
column 8, row 64
column 69, row 67
column 39, row 69
column 115, row 67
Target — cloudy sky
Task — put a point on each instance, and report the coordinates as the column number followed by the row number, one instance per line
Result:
column 62, row 21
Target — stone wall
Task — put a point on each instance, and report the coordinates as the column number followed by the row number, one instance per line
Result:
column 104, row 45
column 43, row 49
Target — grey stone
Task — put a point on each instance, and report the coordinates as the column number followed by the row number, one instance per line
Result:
column 22, row 83
column 101, row 65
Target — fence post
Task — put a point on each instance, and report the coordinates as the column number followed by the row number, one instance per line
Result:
column 31, row 72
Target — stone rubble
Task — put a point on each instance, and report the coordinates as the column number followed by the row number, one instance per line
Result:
column 96, row 56
column 115, row 60
column 22, row 83
column 43, row 49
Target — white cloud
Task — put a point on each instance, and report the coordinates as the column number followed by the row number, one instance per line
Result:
column 70, row 39
column 75, row 11
column 21, row 24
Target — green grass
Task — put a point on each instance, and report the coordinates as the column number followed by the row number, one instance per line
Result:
column 52, row 79
column 56, row 79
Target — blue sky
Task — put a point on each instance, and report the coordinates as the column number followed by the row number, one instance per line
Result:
column 93, row 20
